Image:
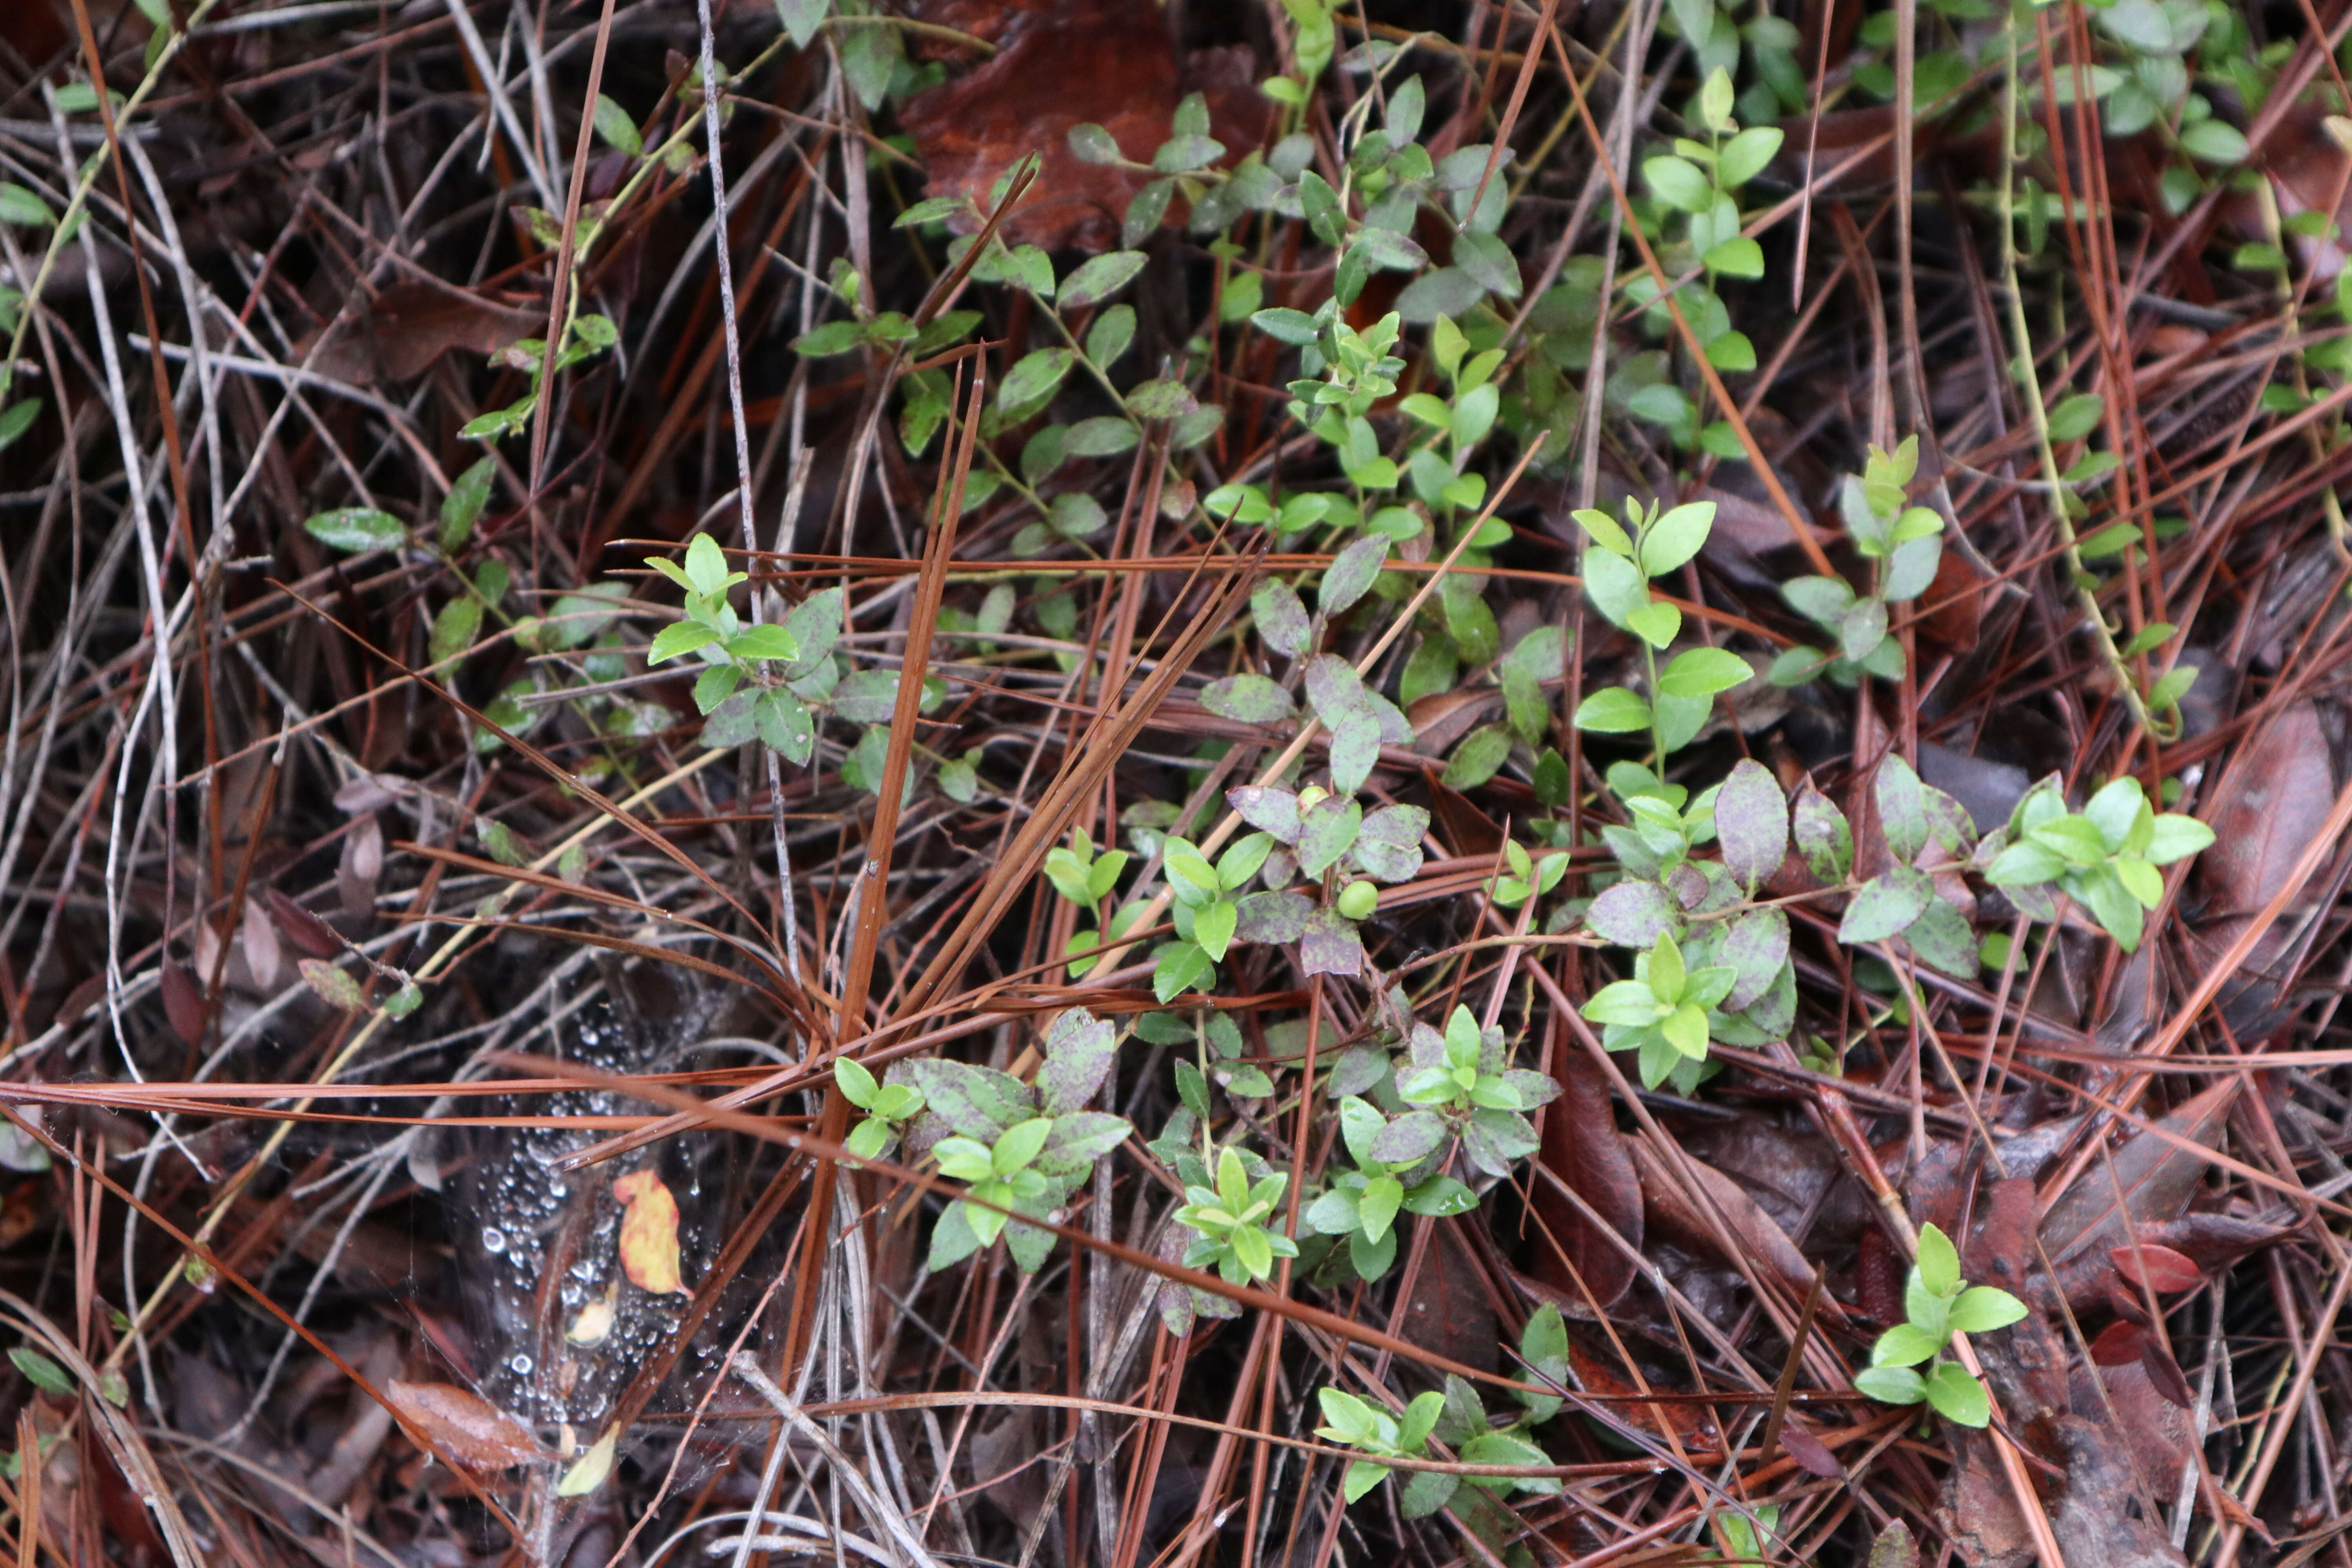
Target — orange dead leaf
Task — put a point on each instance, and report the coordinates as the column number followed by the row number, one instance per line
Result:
column 649, row 1233
column 469, row 1430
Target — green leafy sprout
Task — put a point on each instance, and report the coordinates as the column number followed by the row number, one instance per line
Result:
column 1938, row 1304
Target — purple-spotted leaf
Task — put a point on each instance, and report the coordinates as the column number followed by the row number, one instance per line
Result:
column 1247, row 700
column 1755, row 945
column 1886, row 905
column 1079, row 1050
column 1751, row 822
column 1409, row 1139
column 1267, row 809
column 1274, row 918
column 1351, row 573
column 1823, row 836
column 1327, row 830
column 1330, row 945
column 1388, row 843
column 1632, row 914
column 1902, row 809
column 1355, row 747
column 1281, row 619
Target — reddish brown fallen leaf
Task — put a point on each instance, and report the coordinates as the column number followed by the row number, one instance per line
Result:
column 2118, row 1344
column 649, row 1233
column 311, row 936
column 1811, row 1454
column 184, row 1002
column 1583, row 1148
column 1105, row 62
column 465, row 1426
column 2164, row 1373
column 2160, row 1268
column 398, row 335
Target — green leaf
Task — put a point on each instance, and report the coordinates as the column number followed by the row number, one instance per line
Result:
column 1675, row 538
column 679, row 637
column 1181, row 966
column 2208, row 142
column 462, row 507
column 1655, row 623
column 2176, row 837
column 1891, row 1384
column 1744, row 157
column 2078, row 416
column 1090, row 143
column 22, row 207
column 1679, row 183
column 1615, row 585
column 1982, row 1309
column 1703, row 672
column 1956, row 1395
column 1479, row 757
column 42, row 1372
column 858, row 1085
column 16, row 420
column 832, row 337
column 617, row 128
column 1294, row 326
column 1212, row 928
column 1101, row 278
column 1035, row 377
column 764, row 642
column 1612, row 711
column 1604, row 531
column 453, row 629
column 1939, row 1261
column 354, row 528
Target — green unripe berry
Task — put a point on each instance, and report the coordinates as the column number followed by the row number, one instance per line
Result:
column 1358, row 900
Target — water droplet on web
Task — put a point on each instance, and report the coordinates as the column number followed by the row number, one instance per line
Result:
column 493, row 1239
column 521, row 1364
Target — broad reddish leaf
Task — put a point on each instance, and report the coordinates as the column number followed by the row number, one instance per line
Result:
column 649, row 1233
column 2160, row 1268
column 311, row 936
column 463, row 1425
column 1811, row 1454
column 2118, row 1344
column 184, row 1002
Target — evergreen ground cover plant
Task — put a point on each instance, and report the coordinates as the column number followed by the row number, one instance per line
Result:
column 1115, row 784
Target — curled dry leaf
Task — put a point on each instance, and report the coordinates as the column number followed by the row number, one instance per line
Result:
column 361, row 864
column 259, row 939
column 649, row 1233
column 462, row 1425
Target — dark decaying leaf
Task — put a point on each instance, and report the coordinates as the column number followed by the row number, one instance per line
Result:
column 1583, row 1151
column 1112, row 66
column 2154, row 1175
